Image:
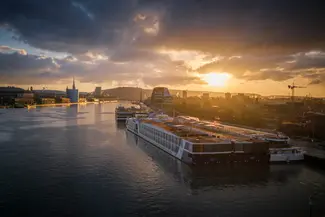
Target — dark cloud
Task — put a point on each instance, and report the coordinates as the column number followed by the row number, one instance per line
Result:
column 65, row 25
column 28, row 69
column 15, row 63
column 239, row 65
column 173, row 80
column 5, row 49
column 31, row 69
column 316, row 78
column 131, row 54
column 271, row 74
column 308, row 60
column 316, row 81
column 223, row 27
column 241, row 27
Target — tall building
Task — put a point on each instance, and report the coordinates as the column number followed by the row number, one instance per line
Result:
column 228, row 96
column 184, row 94
column 161, row 95
column 205, row 96
column 98, row 91
column 73, row 94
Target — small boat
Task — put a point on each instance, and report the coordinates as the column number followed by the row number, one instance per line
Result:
column 290, row 154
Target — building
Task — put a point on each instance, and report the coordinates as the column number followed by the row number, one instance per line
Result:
column 73, row 94
column 82, row 99
column 161, row 95
column 27, row 98
column 184, row 94
column 62, row 100
column 205, row 96
column 9, row 94
column 49, row 93
column 47, row 101
column 228, row 96
column 98, row 92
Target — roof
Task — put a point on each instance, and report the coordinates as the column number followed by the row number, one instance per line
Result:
column 196, row 135
column 11, row 89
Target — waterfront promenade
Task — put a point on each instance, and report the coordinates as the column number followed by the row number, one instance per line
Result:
column 61, row 104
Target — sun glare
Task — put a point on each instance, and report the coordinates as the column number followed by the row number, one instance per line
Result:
column 217, row 79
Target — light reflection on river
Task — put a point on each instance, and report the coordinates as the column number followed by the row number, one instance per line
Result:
column 76, row 161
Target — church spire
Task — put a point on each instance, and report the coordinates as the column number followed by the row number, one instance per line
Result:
column 73, row 84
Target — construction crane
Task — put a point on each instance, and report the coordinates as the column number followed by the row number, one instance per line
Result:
column 292, row 88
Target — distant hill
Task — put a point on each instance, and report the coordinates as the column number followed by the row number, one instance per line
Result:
column 127, row 93
column 133, row 93
column 59, row 92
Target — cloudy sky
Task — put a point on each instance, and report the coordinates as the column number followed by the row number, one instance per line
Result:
column 215, row 45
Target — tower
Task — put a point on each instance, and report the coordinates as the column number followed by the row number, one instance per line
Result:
column 73, row 94
column 73, row 84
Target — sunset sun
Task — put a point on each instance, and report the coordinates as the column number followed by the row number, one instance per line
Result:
column 217, row 79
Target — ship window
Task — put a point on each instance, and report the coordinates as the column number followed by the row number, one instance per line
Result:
column 198, row 148
column 187, row 145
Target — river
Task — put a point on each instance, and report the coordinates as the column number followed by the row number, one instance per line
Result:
column 76, row 161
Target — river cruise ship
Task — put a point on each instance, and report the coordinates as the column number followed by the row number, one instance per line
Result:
column 279, row 144
column 196, row 147
column 122, row 113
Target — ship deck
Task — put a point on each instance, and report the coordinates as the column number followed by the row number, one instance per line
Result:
column 196, row 135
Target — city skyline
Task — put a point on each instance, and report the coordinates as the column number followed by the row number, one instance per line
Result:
column 221, row 46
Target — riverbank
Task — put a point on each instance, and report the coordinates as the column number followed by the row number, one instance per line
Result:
column 59, row 104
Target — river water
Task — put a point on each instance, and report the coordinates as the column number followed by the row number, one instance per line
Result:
column 76, row 161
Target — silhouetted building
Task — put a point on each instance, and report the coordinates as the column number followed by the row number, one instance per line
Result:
column 9, row 94
column 184, row 94
column 98, row 91
column 82, row 100
column 73, row 94
column 161, row 95
column 228, row 96
column 47, row 101
column 205, row 96
column 27, row 98
column 49, row 93
column 62, row 100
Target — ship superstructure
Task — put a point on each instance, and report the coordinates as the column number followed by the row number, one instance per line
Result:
column 279, row 144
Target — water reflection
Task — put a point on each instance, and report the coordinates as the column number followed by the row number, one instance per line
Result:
column 76, row 161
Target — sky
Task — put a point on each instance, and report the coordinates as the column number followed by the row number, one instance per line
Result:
column 255, row 46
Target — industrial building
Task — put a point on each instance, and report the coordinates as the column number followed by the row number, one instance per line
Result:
column 73, row 94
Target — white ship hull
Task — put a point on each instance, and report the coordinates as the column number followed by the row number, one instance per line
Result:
column 286, row 156
column 132, row 127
